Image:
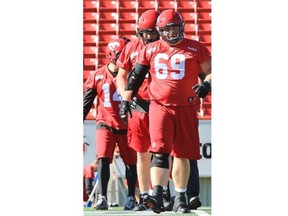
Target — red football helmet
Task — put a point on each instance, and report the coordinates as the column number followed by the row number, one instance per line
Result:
column 115, row 47
column 170, row 26
column 147, row 24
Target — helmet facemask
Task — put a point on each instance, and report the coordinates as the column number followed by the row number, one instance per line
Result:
column 172, row 33
column 150, row 32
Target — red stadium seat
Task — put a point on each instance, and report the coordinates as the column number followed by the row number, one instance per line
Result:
column 207, row 105
column 185, row 5
column 148, row 4
column 127, row 16
column 107, row 5
column 108, row 16
column 108, row 28
column 204, row 38
column 190, row 28
column 203, row 5
column 90, row 27
column 204, row 26
column 127, row 28
column 188, row 16
column 106, row 38
column 89, row 16
column 166, row 4
column 90, row 4
column 203, row 17
column 91, row 39
column 89, row 50
column 89, row 62
column 102, row 48
column 128, row 4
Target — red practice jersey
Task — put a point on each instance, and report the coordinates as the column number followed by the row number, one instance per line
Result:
column 127, row 60
column 108, row 99
column 173, row 70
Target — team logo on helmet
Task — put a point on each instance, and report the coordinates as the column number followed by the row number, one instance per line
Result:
column 115, row 47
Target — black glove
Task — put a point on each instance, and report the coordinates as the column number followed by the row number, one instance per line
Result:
column 124, row 109
column 133, row 103
column 202, row 89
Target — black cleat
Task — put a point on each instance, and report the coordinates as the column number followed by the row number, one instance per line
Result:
column 194, row 203
column 180, row 205
column 155, row 204
column 167, row 200
column 140, row 207
column 101, row 203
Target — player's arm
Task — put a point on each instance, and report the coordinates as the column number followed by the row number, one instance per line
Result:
column 88, row 186
column 88, row 100
column 206, row 68
column 204, row 88
column 135, row 80
column 121, row 80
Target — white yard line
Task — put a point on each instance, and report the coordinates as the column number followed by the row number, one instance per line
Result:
column 145, row 213
column 200, row 212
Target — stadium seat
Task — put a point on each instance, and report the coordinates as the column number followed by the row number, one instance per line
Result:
column 90, row 27
column 188, row 17
column 89, row 62
column 89, row 17
column 108, row 16
column 203, row 5
column 127, row 16
column 107, row 5
column 185, row 5
column 190, row 29
column 166, row 4
column 128, row 5
column 89, row 50
column 127, row 28
column 148, row 4
column 90, row 4
column 207, row 105
column 204, row 38
column 89, row 39
column 108, row 28
column 204, row 26
column 105, row 38
column 203, row 17
column 102, row 48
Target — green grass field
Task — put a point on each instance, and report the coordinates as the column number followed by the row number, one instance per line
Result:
column 202, row 211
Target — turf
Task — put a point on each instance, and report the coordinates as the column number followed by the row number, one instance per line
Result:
column 202, row 211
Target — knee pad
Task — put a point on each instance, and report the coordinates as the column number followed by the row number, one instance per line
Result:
column 160, row 160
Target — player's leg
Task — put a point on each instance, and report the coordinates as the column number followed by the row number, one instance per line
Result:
column 187, row 138
column 139, row 140
column 129, row 157
column 193, row 187
column 180, row 174
column 162, row 136
column 105, row 144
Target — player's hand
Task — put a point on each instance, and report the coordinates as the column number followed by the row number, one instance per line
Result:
column 124, row 109
column 133, row 103
column 202, row 89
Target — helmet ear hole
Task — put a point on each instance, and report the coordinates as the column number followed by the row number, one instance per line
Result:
column 115, row 47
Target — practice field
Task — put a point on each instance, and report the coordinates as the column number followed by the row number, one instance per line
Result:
column 115, row 211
